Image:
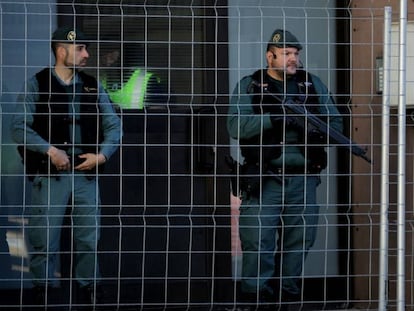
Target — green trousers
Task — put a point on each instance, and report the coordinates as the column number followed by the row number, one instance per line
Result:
column 276, row 231
column 50, row 197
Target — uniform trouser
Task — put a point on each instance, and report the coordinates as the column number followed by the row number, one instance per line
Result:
column 50, row 199
column 285, row 216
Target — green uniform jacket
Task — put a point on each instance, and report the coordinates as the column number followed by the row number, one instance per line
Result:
column 244, row 123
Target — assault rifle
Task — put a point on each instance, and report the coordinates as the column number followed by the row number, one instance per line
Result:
column 335, row 136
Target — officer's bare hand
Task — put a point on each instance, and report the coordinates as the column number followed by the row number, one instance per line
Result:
column 59, row 158
column 91, row 160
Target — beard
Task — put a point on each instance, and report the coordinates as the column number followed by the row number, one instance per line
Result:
column 69, row 63
column 291, row 69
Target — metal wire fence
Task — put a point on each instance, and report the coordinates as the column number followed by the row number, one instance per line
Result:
column 168, row 221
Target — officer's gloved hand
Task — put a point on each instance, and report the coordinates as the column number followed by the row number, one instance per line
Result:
column 288, row 121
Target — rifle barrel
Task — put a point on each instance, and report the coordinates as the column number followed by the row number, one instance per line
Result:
column 322, row 126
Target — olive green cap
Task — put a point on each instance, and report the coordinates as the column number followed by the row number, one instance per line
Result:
column 69, row 35
column 282, row 39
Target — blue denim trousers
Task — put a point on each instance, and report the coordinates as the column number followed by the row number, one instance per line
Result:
column 276, row 229
column 50, row 198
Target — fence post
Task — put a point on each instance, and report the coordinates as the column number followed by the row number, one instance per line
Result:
column 401, row 158
column 383, row 255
